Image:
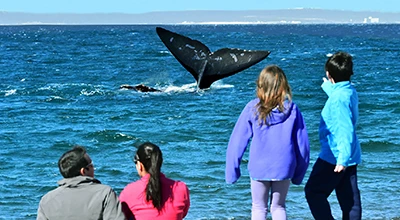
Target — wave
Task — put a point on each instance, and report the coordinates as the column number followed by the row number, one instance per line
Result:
column 110, row 136
column 379, row 146
column 9, row 92
column 56, row 99
column 192, row 87
column 92, row 92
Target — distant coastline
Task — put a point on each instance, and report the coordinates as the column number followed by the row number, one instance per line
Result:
column 286, row 16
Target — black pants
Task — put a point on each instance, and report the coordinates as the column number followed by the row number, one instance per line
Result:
column 323, row 181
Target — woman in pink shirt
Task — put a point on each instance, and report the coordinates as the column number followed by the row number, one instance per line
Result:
column 154, row 196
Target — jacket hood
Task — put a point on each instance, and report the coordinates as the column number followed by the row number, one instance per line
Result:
column 276, row 116
column 75, row 181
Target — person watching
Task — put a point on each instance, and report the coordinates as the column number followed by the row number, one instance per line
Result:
column 154, row 196
column 79, row 195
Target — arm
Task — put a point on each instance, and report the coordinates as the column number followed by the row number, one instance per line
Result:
column 112, row 207
column 302, row 149
column 127, row 212
column 181, row 200
column 186, row 200
column 238, row 142
column 123, row 197
column 40, row 213
column 343, row 131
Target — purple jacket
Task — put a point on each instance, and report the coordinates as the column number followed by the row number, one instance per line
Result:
column 279, row 151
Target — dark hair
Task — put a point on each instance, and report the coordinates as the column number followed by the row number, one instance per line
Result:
column 71, row 162
column 340, row 66
column 150, row 156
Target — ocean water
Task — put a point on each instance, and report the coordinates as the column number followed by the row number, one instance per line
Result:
column 59, row 86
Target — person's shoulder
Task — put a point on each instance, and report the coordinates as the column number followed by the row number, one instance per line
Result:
column 252, row 104
column 180, row 182
column 344, row 87
column 175, row 183
column 104, row 186
column 48, row 195
column 97, row 187
column 51, row 195
column 180, row 185
column 180, row 188
column 132, row 187
column 342, row 96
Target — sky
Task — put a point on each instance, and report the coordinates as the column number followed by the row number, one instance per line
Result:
column 143, row 6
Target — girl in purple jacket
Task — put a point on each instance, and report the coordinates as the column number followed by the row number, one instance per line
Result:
column 279, row 148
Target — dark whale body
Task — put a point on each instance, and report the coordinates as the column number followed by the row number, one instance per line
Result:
column 140, row 88
column 206, row 66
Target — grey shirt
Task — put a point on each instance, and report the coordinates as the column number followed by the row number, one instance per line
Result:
column 80, row 197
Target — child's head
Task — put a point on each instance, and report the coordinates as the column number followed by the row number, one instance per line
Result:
column 340, row 66
column 272, row 90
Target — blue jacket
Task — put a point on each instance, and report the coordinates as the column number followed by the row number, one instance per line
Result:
column 279, row 151
column 337, row 129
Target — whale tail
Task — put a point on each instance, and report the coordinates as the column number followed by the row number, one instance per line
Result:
column 206, row 66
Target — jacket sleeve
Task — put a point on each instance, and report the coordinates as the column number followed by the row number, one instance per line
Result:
column 238, row 142
column 302, row 149
column 184, row 191
column 343, row 129
column 112, row 207
column 123, row 197
column 40, row 213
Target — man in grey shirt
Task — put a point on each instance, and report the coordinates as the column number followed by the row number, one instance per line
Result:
column 79, row 195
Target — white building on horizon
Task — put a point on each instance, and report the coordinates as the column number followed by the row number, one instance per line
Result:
column 371, row 20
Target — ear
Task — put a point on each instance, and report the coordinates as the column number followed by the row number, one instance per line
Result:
column 83, row 171
column 140, row 168
column 327, row 74
column 330, row 77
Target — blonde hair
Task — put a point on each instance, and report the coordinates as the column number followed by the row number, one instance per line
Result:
column 272, row 90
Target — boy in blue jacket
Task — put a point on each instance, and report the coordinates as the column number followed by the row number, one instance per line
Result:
column 336, row 167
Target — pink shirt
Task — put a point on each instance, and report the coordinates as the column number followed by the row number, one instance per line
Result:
column 174, row 193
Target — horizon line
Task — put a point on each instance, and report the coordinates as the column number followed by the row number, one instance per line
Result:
column 201, row 23
column 192, row 10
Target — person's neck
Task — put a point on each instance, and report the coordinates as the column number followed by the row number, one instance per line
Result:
column 143, row 173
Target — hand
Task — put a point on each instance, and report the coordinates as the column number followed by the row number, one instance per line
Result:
column 324, row 79
column 339, row 168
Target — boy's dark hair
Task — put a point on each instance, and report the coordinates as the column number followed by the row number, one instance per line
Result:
column 71, row 162
column 340, row 66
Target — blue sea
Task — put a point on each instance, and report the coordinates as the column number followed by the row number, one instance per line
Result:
column 59, row 87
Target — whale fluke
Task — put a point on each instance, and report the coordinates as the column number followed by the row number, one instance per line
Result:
column 206, row 66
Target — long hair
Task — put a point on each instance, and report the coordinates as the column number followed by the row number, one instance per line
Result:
column 272, row 90
column 150, row 156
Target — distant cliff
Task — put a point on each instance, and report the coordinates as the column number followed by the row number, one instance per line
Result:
column 295, row 16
